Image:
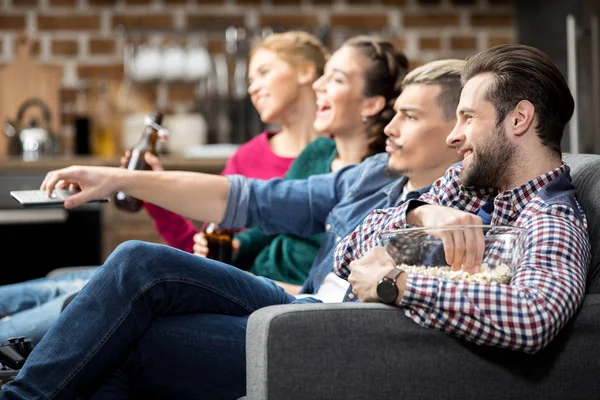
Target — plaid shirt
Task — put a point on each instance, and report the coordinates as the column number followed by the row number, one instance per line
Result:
column 546, row 289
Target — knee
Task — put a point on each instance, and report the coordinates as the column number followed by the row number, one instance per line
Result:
column 132, row 254
column 133, row 249
column 133, row 246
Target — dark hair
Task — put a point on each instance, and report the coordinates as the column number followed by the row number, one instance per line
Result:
column 382, row 78
column 526, row 73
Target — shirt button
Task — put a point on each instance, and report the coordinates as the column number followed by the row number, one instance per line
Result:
column 337, row 239
column 328, row 227
column 351, row 296
column 319, row 276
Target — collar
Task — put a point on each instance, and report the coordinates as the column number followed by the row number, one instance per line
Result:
column 393, row 190
column 516, row 199
column 520, row 196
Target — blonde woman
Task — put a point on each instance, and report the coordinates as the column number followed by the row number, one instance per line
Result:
column 281, row 72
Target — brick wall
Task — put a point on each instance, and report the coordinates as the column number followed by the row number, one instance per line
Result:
column 79, row 35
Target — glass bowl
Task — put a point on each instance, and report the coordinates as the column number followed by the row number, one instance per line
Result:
column 421, row 251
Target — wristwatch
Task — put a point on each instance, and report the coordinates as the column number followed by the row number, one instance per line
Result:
column 387, row 291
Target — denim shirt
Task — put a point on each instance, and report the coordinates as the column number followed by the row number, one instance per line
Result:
column 334, row 203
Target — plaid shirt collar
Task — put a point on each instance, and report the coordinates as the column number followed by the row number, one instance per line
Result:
column 508, row 205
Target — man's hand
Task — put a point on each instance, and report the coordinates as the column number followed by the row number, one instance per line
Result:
column 95, row 182
column 366, row 272
column 463, row 248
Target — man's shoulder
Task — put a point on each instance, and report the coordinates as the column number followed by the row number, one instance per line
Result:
column 380, row 159
column 370, row 174
column 560, row 191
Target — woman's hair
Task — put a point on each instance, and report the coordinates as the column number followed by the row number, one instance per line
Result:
column 383, row 78
column 295, row 47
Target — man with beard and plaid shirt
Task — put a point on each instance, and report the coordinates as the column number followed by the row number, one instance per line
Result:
column 513, row 108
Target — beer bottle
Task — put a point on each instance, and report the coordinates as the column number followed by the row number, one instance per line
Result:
column 219, row 243
column 147, row 143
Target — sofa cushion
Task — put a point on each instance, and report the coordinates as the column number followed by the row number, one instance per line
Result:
column 585, row 171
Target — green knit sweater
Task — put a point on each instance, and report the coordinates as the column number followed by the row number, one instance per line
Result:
column 286, row 257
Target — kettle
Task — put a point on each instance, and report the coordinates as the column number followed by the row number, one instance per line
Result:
column 33, row 140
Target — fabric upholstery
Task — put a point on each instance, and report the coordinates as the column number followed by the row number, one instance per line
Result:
column 585, row 171
column 372, row 351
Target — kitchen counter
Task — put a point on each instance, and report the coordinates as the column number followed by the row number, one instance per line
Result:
column 116, row 226
column 213, row 165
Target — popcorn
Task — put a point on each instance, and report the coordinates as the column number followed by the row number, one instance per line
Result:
column 500, row 274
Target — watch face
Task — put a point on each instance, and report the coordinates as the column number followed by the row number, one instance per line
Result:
column 387, row 291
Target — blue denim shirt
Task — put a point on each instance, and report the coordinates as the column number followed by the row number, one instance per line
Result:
column 334, row 203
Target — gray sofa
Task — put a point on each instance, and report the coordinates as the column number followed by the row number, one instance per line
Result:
column 372, row 351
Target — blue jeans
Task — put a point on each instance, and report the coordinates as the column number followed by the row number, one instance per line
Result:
column 141, row 283
column 160, row 367
column 30, row 308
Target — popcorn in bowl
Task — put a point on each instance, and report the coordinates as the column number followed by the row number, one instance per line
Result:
column 499, row 274
column 421, row 251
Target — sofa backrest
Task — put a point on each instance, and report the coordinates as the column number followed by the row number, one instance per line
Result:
column 585, row 171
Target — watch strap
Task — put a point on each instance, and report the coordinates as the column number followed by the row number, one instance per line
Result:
column 393, row 274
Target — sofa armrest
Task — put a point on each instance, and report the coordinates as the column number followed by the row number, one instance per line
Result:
column 372, row 351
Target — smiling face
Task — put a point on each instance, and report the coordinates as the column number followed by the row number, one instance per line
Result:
column 417, row 133
column 340, row 99
column 484, row 144
column 273, row 85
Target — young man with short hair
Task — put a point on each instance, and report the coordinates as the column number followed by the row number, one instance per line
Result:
column 175, row 323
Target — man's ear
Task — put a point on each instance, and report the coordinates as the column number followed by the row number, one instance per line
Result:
column 521, row 117
column 306, row 72
column 372, row 106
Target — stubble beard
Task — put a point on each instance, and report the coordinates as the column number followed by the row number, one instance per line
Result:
column 492, row 163
column 395, row 172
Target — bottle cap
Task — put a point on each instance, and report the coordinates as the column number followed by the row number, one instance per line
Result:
column 163, row 133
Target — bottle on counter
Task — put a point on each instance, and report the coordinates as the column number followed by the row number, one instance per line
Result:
column 219, row 243
column 103, row 141
column 82, row 121
column 147, row 143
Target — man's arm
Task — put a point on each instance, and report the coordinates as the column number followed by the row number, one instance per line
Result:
column 297, row 206
column 366, row 235
column 194, row 195
column 543, row 295
column 207, row 197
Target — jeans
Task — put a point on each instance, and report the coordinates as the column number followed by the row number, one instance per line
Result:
column 30, row 308
column 140, row 283
column 160, row 366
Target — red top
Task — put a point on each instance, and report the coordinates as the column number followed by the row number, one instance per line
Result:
column 254, row 159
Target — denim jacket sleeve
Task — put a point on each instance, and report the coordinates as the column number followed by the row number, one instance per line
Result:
column 299, row 207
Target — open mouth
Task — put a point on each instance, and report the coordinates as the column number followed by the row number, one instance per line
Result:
column 261, row 101
column 323, row 110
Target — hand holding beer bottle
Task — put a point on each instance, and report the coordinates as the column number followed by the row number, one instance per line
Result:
column 137, row 160
column 216, row 243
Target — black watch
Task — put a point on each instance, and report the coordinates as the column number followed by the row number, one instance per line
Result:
column 387, row 291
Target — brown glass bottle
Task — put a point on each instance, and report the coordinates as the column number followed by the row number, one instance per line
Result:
column 147, row 143
column 219, row 243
